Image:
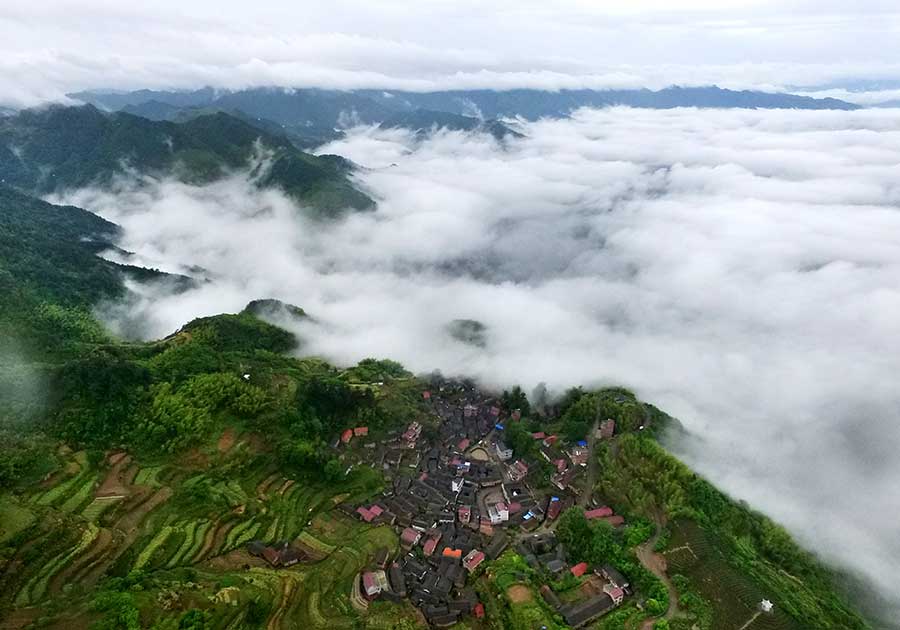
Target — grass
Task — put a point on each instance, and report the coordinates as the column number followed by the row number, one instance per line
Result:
column 14, row 518
column 98, row 506
column 34, row 590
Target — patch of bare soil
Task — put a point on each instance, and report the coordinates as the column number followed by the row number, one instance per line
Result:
column 115, row 483
column 235, row 560
column 227, row 440
column 519, row 593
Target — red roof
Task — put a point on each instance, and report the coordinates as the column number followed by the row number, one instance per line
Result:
column 600, row 512
column 473, row 559
column 579, row 569
column 479, row 610
column 514, row 507
column 550, row 439
column 430, row 546
column 463, row 444
column 426, row 395
column 410, row 536
column 615, row 521
column 346, row 435
column 361, row 431
column 540, row 435
column 452, row 553
column 376, row 510
column 553, row 510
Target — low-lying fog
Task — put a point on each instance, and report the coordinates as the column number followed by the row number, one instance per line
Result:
column 740, row 269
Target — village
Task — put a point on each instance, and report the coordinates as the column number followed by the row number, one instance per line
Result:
column 461, row 498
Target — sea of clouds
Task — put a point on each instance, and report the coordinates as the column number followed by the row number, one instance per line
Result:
column 740, row 269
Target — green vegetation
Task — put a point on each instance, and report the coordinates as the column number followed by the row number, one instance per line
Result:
column 744, row 546
column 60, row 148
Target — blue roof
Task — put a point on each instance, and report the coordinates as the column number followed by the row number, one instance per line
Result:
column 554, row 498
column 582, row 442
column 498, row 426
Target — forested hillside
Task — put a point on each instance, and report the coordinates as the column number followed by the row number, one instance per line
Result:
column 62, row 148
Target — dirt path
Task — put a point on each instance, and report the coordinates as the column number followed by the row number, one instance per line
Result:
column 287, row 588
column 656, row 564
column 751, row 620
column 585, row 498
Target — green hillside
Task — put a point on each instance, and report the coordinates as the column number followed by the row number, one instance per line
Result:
column 60, row 148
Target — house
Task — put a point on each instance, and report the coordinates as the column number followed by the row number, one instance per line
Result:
column 452, row 553
column 256, row 548
column 504, row 453
column 463, row 444
column 464, row 513
column 369, row 514
column 498, row 513
column 607, row 429
column 360, row 431
column 550, row 597
column 556, row 566
column 600, row 512
column 579, row 456
column 579, row 569
column 478, row 611
column 615, row 520
column 346, row 436
column 577, row 615
column 518, row 471
column 272, row 556
column 395, row 577
column 289, row 557
column 473, row 559
column 410, row 538
column 550, row 440
column 615, row 593
column 430, row 545
column 554, row 508
column 374, row 582
column 426, row 395
column 539, row 435
column 614, row 577
column 498, row 544
column 495, row 411
column 382, row 557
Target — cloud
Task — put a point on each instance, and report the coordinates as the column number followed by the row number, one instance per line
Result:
column 51, row 48
column 737, row 268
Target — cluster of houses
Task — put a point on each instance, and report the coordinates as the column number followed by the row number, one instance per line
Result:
column 604, row 587
column 451, row 499
column 278, row 554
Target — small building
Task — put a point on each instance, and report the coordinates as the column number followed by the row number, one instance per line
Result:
column 550, row 440
column 430, row 545
column 600, row 512
column 464, row 513
column 577, row 615
column 452, row 553
column 360, row 431
column 554, row 508
column 504, row 453
column 615, row 593
column 607, row 429
column 518, row 471
column 579, row 569
column 426, row 395
column 463, row 444
column 539, row 435
column 478, row 611
column 550, row 597
column 346, row 436
column 473, row 559
column 614, row 577
column 374, row 582
column 410, row 538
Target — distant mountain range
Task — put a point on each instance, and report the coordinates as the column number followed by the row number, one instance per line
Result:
column 314, row 116
column 57, row 148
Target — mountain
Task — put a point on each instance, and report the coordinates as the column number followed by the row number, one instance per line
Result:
column 314, row 111
column 422, row 121
column 57, row 148
column 51, row 277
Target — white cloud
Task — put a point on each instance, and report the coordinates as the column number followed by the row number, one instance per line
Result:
column 737, row 268
column 50, row 48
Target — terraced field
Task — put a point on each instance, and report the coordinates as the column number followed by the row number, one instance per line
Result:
column 735, row 598
column 88, row 522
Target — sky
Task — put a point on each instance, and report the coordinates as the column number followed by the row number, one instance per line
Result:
column 52, row 47
column 739, row 269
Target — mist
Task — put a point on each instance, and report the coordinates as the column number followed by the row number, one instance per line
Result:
column 740, row 269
